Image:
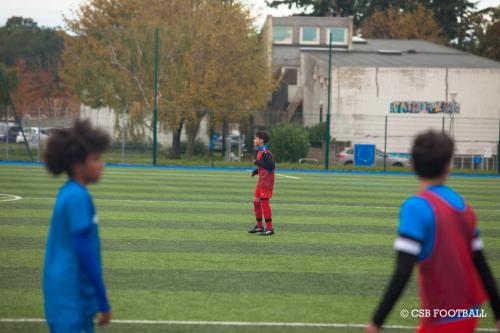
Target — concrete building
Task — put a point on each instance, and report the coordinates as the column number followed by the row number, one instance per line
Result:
column 416, row 84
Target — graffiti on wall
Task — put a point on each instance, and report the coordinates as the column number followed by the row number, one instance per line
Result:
column 425, row 107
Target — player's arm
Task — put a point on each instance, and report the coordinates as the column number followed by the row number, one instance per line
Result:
column 266, row 162
column 486, row 277
column 81, row 224
column 89, row 261
column 415, row 215
column 402, row 273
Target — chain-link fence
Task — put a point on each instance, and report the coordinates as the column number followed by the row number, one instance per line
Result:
column 23, row 134
column 476, row 138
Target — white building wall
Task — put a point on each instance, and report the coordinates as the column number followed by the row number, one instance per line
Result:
column 361, row 97
column 105, row 118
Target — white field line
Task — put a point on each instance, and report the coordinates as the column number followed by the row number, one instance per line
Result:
column 243, row 203
column 223, row 203
column 230, row 323
column 9, row 197
column 286, row 176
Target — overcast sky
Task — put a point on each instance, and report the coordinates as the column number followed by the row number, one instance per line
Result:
column 49, row 12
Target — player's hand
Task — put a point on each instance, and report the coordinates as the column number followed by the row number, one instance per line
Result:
column 104, row 318
column 372, row 328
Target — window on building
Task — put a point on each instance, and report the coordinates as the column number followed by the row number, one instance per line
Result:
column 309, row 35
column 339, row 36
column 282, row 35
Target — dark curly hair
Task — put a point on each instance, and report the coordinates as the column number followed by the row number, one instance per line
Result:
column 69, row 146
column 431, row 153
column 263, row 135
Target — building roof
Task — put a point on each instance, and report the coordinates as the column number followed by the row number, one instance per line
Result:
column 402, row 53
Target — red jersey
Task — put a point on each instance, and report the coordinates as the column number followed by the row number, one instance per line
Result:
column 265, row 184
column 448, row 279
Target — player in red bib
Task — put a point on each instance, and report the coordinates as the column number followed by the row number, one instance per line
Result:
column 438, row 230
column 265, row 185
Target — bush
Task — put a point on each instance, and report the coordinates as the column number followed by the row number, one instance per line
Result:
column 317, row 134
column 289, row 142
column 200, row 148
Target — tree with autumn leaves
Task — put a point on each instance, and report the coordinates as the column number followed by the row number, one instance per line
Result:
column 395, row 24
column 212, row 63
column 457, row 23
column 29, row 60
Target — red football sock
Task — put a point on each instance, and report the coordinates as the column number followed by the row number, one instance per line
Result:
column 266, row 208
column 258, row 213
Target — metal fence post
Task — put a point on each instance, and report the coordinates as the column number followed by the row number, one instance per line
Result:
column 8, row 131
column 155, row 111
column 498, row 149
column 123, row 127
column 39, row 137
column 385, row 144
column 328, row 112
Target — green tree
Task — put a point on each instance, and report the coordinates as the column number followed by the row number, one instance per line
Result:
column 317, row 134
column 22, row 38
column 453, row 16
column 210, row 60
column 8, row 82
column 484, row 39
column 392, row 23
column 226, row 67
column 108, row 62
column 318, row 7
column 33, row 55
column 289, row 142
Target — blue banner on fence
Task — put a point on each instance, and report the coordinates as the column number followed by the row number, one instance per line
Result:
column 364, row 155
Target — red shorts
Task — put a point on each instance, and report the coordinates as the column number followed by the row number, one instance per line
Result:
column 263, row 193
column 457, row 326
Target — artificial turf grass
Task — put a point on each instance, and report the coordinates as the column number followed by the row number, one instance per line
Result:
column 345, row 251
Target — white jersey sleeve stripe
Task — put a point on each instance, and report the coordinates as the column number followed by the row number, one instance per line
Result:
column 407, row 245
column 477, row 244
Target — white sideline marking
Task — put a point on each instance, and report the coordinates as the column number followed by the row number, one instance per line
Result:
column 286, row 176
column 10, row 197
column 243, row 203
column 232, row 323
column 225, row 203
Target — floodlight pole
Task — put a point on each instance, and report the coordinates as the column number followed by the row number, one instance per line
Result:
column 155, row 111
column 328, row 115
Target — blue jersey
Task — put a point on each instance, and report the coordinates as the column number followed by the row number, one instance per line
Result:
column 69, row 296
column 416, row 222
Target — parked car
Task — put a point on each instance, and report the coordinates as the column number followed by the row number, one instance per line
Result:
column 10, row 133
column 346, row 157
column 32, row 134
column 4, row 129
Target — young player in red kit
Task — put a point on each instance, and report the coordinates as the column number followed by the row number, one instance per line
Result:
column 264, row 190
column 438, row 230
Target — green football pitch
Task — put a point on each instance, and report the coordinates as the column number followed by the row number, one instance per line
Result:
column 176, row 252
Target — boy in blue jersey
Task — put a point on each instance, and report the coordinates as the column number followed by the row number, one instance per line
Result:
column 73, row 285
column 438, row 231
